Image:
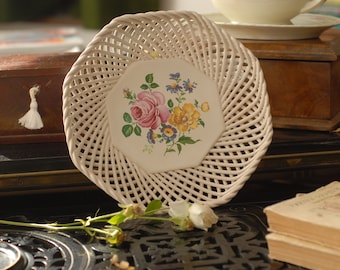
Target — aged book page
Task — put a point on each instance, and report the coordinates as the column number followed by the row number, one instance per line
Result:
column 314, row 216
column 303, row 253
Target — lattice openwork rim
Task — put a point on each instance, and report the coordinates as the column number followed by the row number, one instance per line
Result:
column 167, row 34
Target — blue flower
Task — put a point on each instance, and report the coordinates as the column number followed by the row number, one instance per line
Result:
column 174, row 87
column 175, row 76
column 151, row 136
column 169, row 133
column 189, row 86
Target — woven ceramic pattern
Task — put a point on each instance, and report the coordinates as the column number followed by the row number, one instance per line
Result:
column 167, row 35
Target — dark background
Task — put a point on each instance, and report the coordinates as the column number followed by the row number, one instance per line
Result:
column 90, row 13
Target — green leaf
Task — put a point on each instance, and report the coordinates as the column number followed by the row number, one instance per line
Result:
column 170, row 103
column 117, row 219
column 153, row 206
column 201, row 122
column 127, row 117
column 127, row 130
column 154, row 85
column 144, row 86
column 168, row 150
column 179, row 148
column 138, row 130
column 187, row 140
column 149, row 78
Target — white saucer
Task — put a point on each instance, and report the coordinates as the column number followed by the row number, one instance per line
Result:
column 303, row 26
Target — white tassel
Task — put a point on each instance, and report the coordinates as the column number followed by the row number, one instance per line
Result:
column 32, row 119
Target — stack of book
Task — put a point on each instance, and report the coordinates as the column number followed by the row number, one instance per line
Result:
column 305, row 230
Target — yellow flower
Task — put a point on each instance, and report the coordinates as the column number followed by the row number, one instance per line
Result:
column 205, row 106
column 185, row 118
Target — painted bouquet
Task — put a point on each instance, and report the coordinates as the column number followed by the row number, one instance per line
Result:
column 168, row 122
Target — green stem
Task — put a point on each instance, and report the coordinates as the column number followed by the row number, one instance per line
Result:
column 103, row 230
column 58, row 227
column 103, row 218
column 155, row 218
column 51, row 226
column 151, row 212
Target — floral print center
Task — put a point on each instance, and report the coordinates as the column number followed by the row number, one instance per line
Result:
column 165, row 121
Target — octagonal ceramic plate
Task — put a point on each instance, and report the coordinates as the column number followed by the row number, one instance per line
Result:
column 166, row 105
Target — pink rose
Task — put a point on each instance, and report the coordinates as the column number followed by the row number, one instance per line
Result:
column 149, row 109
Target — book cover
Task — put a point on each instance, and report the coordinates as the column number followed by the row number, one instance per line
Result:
column 314, row 216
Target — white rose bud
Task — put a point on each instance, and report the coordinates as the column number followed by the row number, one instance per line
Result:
column 179, row 209
column 202, row 216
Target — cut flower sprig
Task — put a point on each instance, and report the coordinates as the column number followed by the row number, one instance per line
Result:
column 185, row 216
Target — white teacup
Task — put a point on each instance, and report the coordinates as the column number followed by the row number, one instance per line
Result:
column 264, row 11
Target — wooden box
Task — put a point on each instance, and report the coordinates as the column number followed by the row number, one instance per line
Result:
column 18, row 73
column 303, row 80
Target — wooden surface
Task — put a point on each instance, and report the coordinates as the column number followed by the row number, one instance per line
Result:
column 325, row 48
